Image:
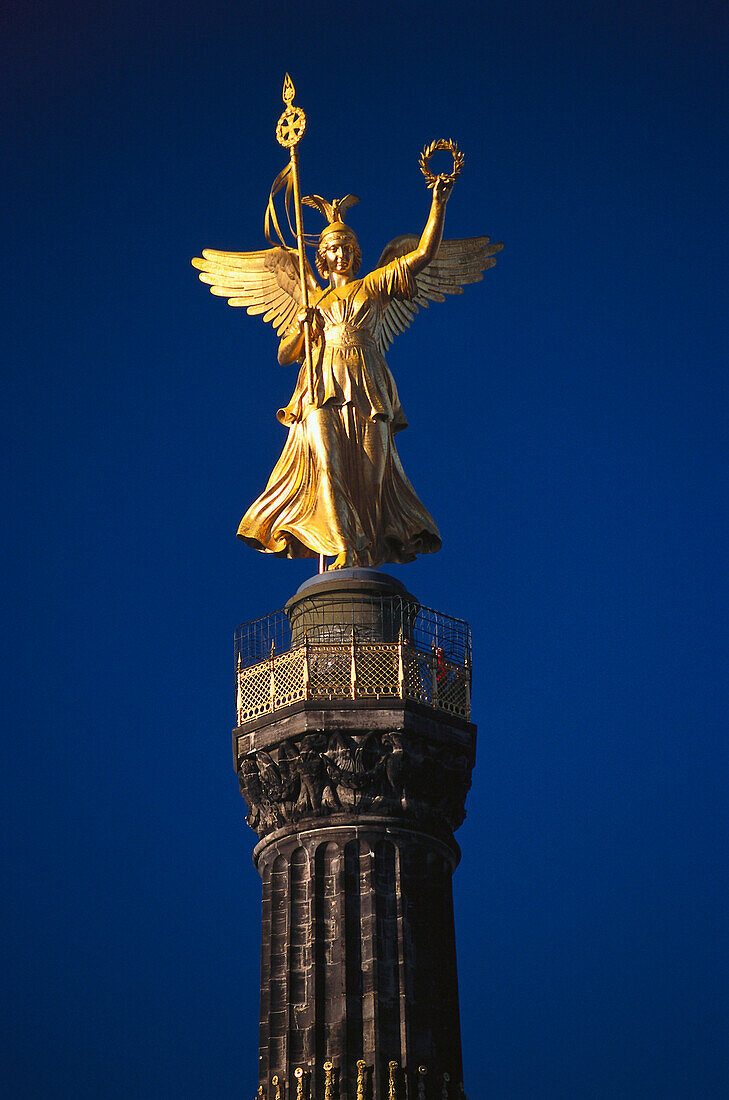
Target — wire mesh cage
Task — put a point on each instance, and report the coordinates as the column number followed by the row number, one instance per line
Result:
column 340, row 621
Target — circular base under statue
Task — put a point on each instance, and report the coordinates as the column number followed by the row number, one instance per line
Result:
column 345, row 603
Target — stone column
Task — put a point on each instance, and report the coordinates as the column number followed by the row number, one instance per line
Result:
column 356, row 802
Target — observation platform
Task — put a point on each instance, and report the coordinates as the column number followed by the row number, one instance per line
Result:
column 355, row 636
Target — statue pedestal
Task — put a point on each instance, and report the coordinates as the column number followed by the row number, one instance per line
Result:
column 331, row 606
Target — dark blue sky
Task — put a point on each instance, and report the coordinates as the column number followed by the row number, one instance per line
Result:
column 567, row 433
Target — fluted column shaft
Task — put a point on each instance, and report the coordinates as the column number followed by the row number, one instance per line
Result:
column 358, row 955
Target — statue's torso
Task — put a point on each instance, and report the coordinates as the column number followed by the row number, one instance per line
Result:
column 349, row 368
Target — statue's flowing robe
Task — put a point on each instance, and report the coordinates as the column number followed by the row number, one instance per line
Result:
column 339, row 484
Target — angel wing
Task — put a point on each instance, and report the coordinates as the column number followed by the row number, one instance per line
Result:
column 456, row 263
column 264, row 282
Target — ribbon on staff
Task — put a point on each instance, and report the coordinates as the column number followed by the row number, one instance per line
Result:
column 271, row 225
column 284, row 178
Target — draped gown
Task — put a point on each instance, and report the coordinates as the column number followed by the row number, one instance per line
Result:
column 339, row 484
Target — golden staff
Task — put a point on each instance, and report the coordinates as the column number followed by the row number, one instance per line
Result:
column 289, row 132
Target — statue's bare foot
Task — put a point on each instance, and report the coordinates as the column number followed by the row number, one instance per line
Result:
column 346, row 560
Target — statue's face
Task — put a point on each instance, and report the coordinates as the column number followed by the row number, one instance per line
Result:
column 340, row 257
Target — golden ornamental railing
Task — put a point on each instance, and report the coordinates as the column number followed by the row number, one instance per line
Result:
column 354, row 670
column 440, row 1086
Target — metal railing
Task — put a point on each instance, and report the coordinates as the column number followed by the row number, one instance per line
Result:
column 334, row 619
column 340, row 646
column 357, row 670
column 400, row 1083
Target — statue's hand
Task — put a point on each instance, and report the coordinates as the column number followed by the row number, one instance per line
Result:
column 312, row 316
column 442, row 188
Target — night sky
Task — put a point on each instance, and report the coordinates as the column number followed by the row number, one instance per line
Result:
column 567, row 432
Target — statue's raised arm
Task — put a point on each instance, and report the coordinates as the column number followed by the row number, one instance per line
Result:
column 432, row 235
column 440, row 267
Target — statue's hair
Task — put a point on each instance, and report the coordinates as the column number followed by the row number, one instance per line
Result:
column 321, row 252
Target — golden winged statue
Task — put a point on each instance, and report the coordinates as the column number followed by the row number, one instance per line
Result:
column 339, row 490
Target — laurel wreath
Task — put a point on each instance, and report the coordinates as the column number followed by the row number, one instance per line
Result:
column 427, row 153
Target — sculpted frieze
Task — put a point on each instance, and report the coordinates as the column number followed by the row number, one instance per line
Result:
column 358, row 773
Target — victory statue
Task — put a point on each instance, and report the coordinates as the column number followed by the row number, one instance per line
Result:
column 339, row 490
